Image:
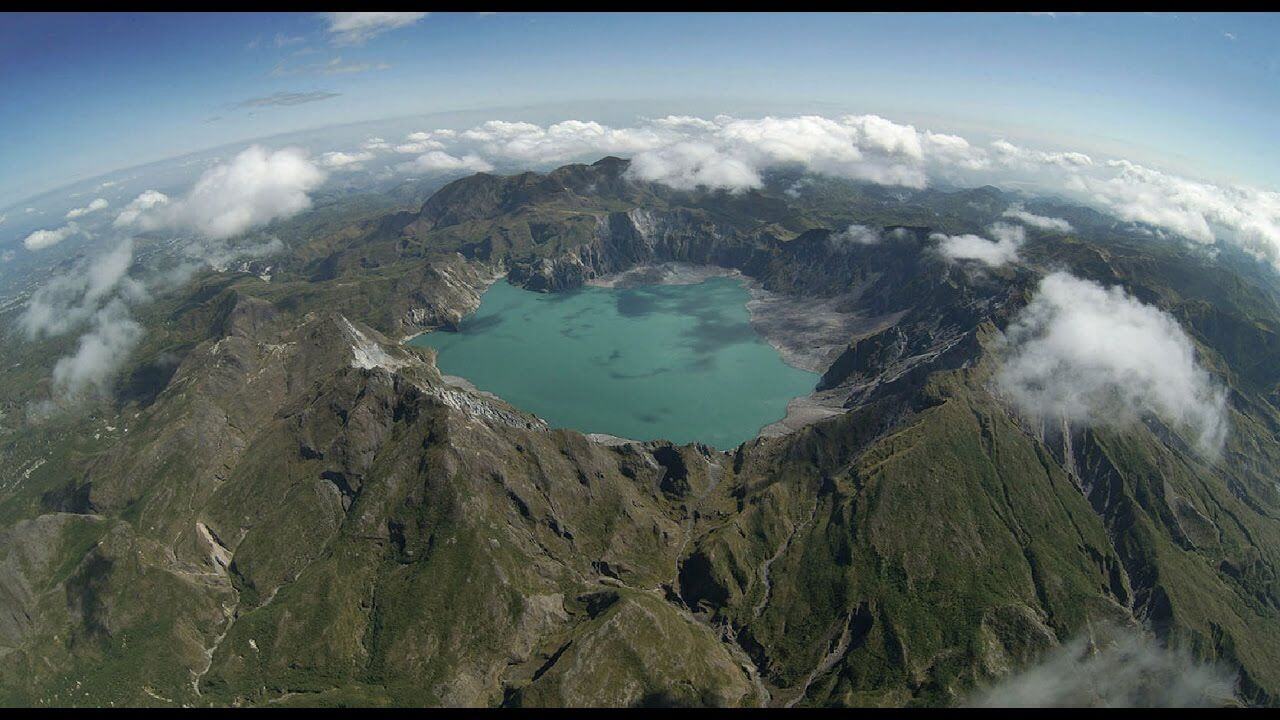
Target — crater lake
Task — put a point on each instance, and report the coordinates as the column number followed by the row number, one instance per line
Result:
column 675, row 362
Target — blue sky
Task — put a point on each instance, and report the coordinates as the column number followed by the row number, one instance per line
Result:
column 86, row 94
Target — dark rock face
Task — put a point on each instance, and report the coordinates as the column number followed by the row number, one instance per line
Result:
column 675, row 476
column 624, row 240
column 865, row 357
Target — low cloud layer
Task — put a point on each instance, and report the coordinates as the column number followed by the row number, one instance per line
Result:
column 1190, row 208
column 1128, row 670
column 253, row 188
column 1096, row 355
column 724, row 152
column 728, row 153
column 1000, row 250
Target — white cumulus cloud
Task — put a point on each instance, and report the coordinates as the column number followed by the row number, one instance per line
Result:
column 99, row 353
column 92, row 207
column 1009, row 153
column 954, row 151
column 67, row 300
column 1096, row 355
column 1038, row 221
column 690, row 165
column 133, row 213
column 726, row 152
column 253, row 188
column 1250, row 217
column 1003, row 249
column 441, row 162
column 854, row 235
column 560, row 142
column 414, row 148
column 348, row 160
column 41, row 239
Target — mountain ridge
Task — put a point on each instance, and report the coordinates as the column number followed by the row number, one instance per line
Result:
column 292, row 513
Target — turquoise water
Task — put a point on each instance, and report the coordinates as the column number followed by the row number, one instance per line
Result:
column 678, row 362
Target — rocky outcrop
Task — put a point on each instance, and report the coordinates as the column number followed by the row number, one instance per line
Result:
column 446, row 291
